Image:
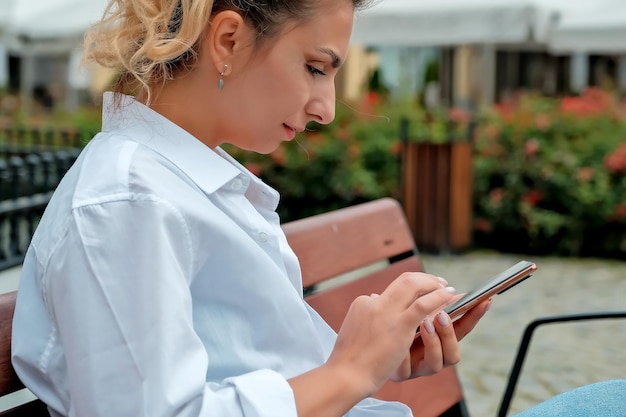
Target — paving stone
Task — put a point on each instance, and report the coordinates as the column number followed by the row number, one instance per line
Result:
column 562, row 356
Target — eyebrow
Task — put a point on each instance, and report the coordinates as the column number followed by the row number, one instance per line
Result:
column 336, row 61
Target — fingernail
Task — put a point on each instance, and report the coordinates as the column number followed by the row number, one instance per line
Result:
column 443, row 281
column 443, row 319
column 430, row 327
column 488, row 305
column 451, row 290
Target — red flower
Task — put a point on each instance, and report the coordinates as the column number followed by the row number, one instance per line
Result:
column 372, row 98
column 459, row 115
column 370, row 101
column 492, row 132
column 506, row 111
column 396, row 147
column 592, row 102
column 585, row 174
column 619, row 214
column 615, row 162
column 482, row 225
column 531, row 147
column 543, row 122
column 533, row 197
column 495, row 197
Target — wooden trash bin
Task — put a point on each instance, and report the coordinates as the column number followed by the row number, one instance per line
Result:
column 437, row 182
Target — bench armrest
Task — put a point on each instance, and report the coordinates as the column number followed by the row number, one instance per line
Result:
column 525, row 343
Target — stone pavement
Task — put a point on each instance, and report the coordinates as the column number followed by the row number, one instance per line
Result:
column 562, row 356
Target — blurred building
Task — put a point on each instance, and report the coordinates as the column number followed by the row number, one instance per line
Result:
column 41, row 45
column 482, row 51
column 487, row 50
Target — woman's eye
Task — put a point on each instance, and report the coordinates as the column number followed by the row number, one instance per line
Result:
column 314, row 71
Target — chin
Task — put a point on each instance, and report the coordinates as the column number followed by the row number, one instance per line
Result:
column 263, row 149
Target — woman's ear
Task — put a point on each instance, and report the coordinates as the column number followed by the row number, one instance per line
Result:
column 227, row 36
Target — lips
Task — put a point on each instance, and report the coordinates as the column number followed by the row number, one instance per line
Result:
column 291, row 132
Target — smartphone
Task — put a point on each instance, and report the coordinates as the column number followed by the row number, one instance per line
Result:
column 498, row 284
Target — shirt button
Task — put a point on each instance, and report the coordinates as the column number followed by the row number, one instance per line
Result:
column 236, row 184
column 262, row 237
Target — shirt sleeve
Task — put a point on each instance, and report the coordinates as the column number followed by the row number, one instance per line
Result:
column 118, row 290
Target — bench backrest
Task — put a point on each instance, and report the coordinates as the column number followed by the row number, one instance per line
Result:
column 9, row 382
column 375, row 240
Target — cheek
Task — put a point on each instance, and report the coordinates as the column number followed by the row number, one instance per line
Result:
column 282, row 93
column 282, row 77
column 267, row 95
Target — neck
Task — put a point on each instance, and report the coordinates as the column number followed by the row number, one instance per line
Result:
column 187, row 102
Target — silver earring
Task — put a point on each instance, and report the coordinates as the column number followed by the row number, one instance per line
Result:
column 220, row 82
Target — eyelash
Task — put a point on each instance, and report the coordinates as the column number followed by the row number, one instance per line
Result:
column 314, row 71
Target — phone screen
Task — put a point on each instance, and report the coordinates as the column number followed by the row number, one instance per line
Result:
column 496, row 285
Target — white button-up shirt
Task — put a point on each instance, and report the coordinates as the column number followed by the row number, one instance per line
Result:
column 159, row 283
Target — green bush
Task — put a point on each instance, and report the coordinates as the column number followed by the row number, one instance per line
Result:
column 550, row 176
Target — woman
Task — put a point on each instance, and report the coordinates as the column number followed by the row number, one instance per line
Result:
column 159, row 282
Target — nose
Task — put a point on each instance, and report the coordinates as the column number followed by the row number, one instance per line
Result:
column 321, row 106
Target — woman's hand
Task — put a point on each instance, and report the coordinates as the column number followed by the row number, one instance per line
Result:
column 377, row 342
column 437, row 346
column 378, row 331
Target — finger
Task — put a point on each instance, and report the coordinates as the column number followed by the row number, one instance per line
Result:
column 451, row 301
column 448, row 338
column 428, row 304
column 465, row 324
column 456, row 298
column 431, row 361
column 409, row 286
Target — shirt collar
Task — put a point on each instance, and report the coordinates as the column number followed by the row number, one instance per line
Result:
column 142, row 124
column 257, row 190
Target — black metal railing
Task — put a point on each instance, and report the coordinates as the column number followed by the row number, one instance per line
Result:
column 32, row 163
column 27, row 181
column 18, row 220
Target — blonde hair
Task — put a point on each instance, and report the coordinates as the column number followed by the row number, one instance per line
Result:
column 147, row 40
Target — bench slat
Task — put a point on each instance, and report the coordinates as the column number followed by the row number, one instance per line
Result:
column 9, row 381
column 343, row 240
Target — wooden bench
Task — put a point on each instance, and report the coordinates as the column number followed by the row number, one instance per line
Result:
column 372, row 235
column 373, row 242
column 9, row 382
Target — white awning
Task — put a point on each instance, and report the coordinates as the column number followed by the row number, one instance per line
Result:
column 599, row 29
column 39, row 26
column 565, row 25
column 452, row 22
